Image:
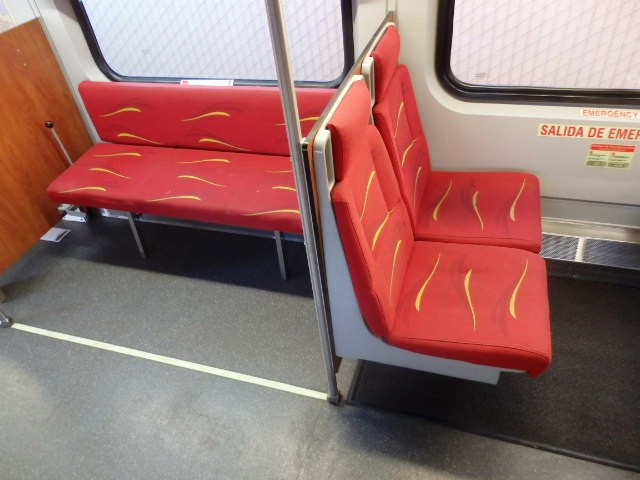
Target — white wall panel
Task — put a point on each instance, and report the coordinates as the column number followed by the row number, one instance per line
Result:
column 19, row 11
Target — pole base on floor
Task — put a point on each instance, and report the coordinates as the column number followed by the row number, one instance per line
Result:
column 334, row 399
column 5, row 321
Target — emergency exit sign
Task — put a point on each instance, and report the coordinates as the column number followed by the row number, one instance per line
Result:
column 588, row 131
column 610, row 156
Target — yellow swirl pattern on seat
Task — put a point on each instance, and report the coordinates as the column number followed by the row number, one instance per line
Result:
column 415, row 186
column 220, row 142
column 406, row 151
column 122, row 110
column 434, row 215
column 474, row 200
column 100, row 189
column 137, row 137
column 379, row 230
column 467, row 289
column 514, row 295
column 393, row 267
column 280, row 171
column 305, row 119
column 512, row 211
column 395, row 133
column 366, row 194
column 177, row 197
column 269, row 212
column 283, row 187
column 191, row 177
column 98, row 169
column 424, row 285
column 205, row 115
column 121, row 154
column 206, row 160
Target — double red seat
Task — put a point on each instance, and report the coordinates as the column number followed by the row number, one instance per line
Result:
column 481, row 304
column 209, row 153
column 485, row 208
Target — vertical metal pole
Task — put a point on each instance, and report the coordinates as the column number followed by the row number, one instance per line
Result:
column 277, row 29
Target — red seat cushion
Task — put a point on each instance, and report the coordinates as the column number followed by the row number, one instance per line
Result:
column 243, row 189
column 485, row 208
column 480, row 304
column 397, row 117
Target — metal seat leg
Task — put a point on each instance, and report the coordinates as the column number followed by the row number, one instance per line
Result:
column 3, row 297
column 137, row 236
column 280, row 249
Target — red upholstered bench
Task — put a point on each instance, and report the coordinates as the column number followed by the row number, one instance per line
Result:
column 207, row 153
column 484, row 305
column 488, row 208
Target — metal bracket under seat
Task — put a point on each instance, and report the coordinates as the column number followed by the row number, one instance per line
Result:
column 136, row 234
column 280, row 250
column 73, row 213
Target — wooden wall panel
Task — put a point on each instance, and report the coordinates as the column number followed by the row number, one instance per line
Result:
column 32, row 90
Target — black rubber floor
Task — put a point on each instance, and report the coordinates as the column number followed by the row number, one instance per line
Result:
column 586, row 405
column 74, row 412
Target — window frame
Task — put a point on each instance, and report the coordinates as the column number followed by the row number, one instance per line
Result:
column 523, row 95
column 98, row 57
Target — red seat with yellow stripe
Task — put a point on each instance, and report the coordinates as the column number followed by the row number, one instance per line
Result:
column 240, row 189
column 487, row 208
column 213, row 154
column 480, row 304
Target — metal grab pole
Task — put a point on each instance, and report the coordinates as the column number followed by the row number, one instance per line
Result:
column 275, row 14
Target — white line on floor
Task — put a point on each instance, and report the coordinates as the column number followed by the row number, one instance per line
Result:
column 241, row 377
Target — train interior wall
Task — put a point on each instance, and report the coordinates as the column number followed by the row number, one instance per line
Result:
column 200, row 362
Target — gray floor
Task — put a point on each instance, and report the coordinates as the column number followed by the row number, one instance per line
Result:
column 72, row 411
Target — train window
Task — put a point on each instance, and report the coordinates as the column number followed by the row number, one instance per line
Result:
column 166, row 40
column 543, row 48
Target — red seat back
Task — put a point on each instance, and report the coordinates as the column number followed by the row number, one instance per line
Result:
column 398, row 119
column 372, row 219
column 234, row 119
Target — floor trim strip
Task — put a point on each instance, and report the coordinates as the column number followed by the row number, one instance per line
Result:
column 198, row 367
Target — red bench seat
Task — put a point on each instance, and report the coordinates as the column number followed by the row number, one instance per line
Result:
column 210, row 153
